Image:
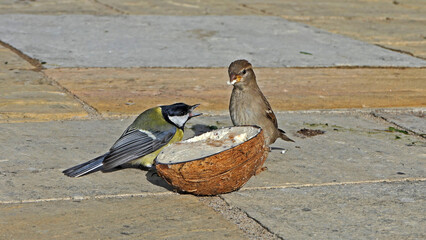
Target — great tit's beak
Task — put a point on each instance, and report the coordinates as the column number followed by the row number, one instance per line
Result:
column 234, row 78
column 191, row 114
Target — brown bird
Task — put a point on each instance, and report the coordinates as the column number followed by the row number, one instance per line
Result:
column 248, row 105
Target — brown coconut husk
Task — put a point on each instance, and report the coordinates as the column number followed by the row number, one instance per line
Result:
column 222, row 172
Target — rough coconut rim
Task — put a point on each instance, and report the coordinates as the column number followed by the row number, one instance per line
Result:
column 196, row 159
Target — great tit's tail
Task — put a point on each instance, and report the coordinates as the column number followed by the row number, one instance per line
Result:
column 85, row 168
column 284, row 137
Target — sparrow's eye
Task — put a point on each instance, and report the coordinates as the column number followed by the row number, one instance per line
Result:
column 244, row 71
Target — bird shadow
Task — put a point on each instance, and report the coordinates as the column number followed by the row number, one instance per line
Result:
column 150, row 174
column 153, row 177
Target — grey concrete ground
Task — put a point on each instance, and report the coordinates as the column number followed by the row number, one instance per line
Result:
column 187, row 41
column 356, row 179
column 362, row 177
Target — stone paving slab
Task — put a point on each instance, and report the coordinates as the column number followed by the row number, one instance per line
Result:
column 186, row 41
column 380, row 32
column 31, row 159
column 392, row 24
column 155, row 217
column 311, row 8
column 114, row 91
column 414, row 121
column 10, row 60
column 359, row 211
column 377, row 9
column 354, row 148
column 371, row 21
column 52, row 7
column 180, row 7
column 27, row 95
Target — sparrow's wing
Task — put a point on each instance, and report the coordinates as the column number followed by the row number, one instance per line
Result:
column 136, row 143
column 269, row 113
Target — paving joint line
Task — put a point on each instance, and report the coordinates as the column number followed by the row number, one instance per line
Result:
column 225, row 68
column 147, row 194
column 251, row 228
column 34, row 62
column 400, row 127
column 110, row 7
column 255, row 220
column 307, row 185
column 309, row 18
column 92, row 111
column 399, row 51
column 81, row 198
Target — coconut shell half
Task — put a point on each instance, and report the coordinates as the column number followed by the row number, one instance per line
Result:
column 215, row 162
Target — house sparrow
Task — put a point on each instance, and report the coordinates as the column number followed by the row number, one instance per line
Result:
column 248, row 105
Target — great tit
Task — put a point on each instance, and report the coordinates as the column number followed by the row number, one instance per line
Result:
column 248, row 105
column 143, row 140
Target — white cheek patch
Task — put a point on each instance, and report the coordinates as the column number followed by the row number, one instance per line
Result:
column 179, row 120
column 232, row 83
column 149, row 134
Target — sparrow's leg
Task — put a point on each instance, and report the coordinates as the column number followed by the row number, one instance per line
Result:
column 283, row 150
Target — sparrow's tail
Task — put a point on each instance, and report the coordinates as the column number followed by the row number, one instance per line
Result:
column 85, row 168
column 284, row 137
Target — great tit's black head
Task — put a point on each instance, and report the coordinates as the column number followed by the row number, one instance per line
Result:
column 240, row 72
column 179, row 113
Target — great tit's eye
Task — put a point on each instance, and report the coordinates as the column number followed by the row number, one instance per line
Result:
column 244, row 71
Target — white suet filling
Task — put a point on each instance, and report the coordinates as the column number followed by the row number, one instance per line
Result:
column 206, row 144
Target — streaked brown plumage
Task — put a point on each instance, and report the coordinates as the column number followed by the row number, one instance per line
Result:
column 248, row 105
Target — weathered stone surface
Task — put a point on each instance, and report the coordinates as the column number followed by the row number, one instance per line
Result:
column 393, row 24
column 360, row 211
column 180, row 7
column 187, row 41
column 52, row 7
column 155, row 217
column 353, row 148
column 377, row 9
column 381, row 32
column 10, row 60
column 27, row 95
column 126, row 91
column 414, row 121
column 372, row 21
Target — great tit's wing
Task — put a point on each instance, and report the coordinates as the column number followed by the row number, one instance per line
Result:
column 136, row 143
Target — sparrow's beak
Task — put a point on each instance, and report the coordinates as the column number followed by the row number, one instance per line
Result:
column 191, row 114
column 234, row 78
